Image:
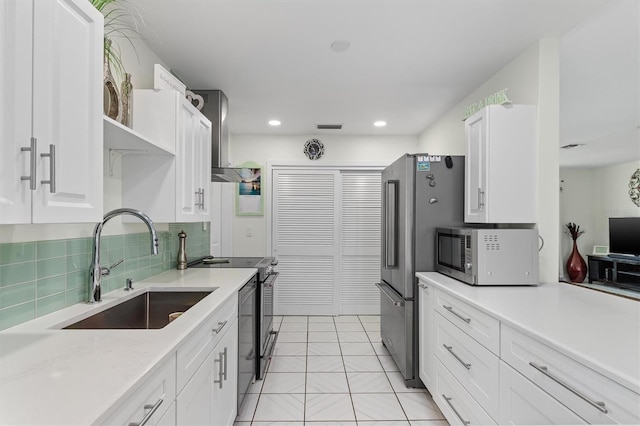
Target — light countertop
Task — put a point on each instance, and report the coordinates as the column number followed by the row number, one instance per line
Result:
column 77, row 377
column 602, row 331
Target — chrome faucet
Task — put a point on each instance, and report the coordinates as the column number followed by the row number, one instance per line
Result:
column 96, row 272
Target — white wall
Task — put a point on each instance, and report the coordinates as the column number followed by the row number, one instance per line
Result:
column 272, row 149
column 531, row 78
column 140, row 66
column 590, row 196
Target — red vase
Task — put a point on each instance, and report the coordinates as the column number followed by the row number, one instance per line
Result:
column 576, row 266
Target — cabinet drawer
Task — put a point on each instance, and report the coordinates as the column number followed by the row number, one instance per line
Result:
column 592, row 396
column 474, row 366
column 196, row 348
column 482, row 327
column 455, row 403
column 523, row 403
column 154, row 398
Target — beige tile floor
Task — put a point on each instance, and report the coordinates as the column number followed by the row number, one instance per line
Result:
column 334, row 371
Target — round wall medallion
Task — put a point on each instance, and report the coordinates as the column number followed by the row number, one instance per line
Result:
column 314, row 149
column 634, row 188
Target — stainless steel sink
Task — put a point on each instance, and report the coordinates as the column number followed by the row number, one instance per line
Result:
column 148, row 310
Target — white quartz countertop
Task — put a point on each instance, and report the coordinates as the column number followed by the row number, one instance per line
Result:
column 602, row 331
column 50, row 376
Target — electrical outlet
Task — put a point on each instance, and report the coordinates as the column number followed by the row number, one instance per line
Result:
column 249, row 231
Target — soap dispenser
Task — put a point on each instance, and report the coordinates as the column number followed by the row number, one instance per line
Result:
column 182, row 251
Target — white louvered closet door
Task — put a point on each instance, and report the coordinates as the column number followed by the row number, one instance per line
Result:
column 360, row 230
column 305, row 240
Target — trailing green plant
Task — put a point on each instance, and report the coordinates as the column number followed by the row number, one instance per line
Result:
column 121, row 19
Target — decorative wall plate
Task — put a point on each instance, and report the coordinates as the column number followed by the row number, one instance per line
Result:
column 314, row 149
column 634, row 188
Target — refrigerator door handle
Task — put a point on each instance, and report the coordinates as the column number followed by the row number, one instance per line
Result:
column 384, row 289
column 390, row 234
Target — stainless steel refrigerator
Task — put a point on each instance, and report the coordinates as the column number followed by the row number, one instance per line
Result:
column 420, row 192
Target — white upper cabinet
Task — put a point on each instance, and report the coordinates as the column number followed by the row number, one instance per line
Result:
column 501, row 165
column 50, row 112
column 169, row 188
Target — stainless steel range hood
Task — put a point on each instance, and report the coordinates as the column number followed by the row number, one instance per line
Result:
column 216, row 107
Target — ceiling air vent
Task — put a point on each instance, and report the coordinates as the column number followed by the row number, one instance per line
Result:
column 329, row 126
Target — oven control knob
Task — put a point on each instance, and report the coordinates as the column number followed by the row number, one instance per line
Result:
column 468, row 265
column 268, row 270
column 274, row 262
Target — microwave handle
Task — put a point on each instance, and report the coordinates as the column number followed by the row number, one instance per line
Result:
column 390, row 234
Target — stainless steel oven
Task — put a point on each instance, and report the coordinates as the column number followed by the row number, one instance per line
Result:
column 246, row 337
column 268, row 335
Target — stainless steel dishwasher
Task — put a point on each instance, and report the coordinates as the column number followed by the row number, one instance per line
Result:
column 246, row 338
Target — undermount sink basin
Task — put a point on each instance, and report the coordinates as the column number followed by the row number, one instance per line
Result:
column 148, row 310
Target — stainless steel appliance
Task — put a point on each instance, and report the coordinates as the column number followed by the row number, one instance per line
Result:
column 246, row 337
column 488, row 256
column 265, row 336
column 420, row 192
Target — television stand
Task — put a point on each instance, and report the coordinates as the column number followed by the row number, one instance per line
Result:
column 615, row 270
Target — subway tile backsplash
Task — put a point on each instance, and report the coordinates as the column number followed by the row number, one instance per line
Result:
column 40, row 277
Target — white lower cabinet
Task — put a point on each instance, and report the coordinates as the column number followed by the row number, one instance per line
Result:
column 523, row 403
column 457, row 405
column 485, row 370
column 209, row 398
column 151, row 402
column 426, row 331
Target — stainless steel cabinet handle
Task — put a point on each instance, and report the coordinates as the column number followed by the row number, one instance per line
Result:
column 450, row 349
column 152, row 409
column 32, row 148
column 450, row 309
column 202, row 203
column 220, row 372
column 544, row 370
column 52, row 169
column 448, row 400
column 224, row 353
column 480, row 198
column 220, row 327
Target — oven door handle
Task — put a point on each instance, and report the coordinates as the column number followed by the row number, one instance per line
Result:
column 388, row 291
column 268, row 283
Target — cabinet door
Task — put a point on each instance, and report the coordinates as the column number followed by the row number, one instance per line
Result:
column 67, row 110
column 15, row 109
column 225, row 385
column 203, row 163
column 523, row 403
column 186, row 163
column 426, row 334
column 475, row 165
column 193, row 405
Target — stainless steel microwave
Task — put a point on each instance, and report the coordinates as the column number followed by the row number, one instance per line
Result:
column 488, row 256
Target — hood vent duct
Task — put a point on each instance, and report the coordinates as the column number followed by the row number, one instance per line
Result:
column 216, row 108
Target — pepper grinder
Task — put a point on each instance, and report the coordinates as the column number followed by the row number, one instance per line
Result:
column 182, row 251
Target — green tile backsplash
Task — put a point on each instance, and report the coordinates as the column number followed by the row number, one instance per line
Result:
column 40, row 277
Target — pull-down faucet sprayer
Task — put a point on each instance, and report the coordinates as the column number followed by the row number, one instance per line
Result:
column 96, row 272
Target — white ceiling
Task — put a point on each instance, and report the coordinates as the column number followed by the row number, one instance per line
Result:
column 409, row 62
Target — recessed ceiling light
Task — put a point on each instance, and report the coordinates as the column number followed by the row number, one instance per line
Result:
column 274, row 123
column 380, row 123
column 340, row 46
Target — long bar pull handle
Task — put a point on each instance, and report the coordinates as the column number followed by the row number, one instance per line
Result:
column 391, row 225
column 202, row 202
column 450, row 349
column 480, row 199
column 152, row 409
column 224, row 353
column 450, row 309
column 220, row 372
column 448, row 400
column 52, row 169
column 220, row 327
column 32, row 148
column 544, row 370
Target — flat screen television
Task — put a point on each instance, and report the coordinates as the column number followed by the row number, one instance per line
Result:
column 624, row 236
